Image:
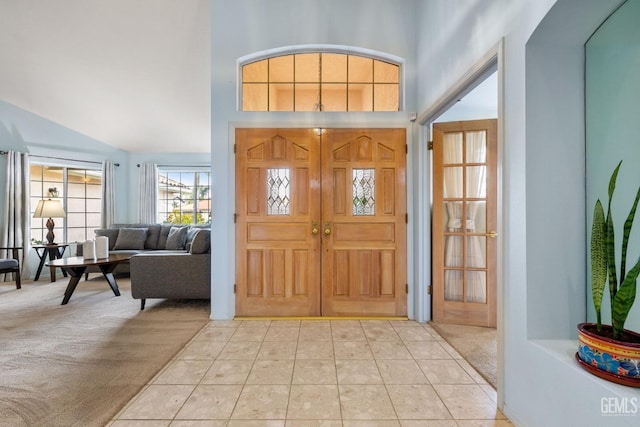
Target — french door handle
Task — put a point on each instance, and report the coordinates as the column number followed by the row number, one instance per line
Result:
column 327, row 228
column 314, row 228
column 491, row 234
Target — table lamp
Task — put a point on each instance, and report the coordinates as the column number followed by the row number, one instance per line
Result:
column 49, row 209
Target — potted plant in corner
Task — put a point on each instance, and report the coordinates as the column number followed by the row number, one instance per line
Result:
column 610, row 351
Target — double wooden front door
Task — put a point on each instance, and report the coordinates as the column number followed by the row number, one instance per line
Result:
column 320, row 222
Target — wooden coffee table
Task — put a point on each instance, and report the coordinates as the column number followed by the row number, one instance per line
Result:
column 76, row 266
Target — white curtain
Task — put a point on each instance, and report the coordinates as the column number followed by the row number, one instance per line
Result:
column 108, row 194
column 16, row 228
column 454, row 288
column 148, row 206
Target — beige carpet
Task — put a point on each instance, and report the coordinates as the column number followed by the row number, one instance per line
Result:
column 79, row 364
column 477, row 345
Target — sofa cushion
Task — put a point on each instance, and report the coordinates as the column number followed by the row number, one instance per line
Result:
column 110, row 233
column 153, row 235
column 131, row 238
column 164, row 234
column 176, row 238
column 191, row 233
column 201, row 242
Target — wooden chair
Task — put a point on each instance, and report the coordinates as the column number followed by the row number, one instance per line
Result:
column 11, row 265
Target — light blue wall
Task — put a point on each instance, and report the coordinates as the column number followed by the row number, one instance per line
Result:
column 613, row 129
column 245, row 27
column 21, row 130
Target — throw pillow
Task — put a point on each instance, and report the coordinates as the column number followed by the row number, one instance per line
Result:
column 164, row 233
column 191, row 234
column 152, row 236
column 131, row 238
column 177, row 238
column 110, row 233
column 201, row 242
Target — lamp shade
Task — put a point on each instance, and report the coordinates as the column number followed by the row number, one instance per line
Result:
column 49, row 209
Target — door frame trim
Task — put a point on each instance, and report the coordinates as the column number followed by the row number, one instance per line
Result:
column 414, row 287
column 492, row 61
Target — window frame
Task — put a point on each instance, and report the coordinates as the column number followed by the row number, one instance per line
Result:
column 163, row 203
column 323, row 49
column 62, row 224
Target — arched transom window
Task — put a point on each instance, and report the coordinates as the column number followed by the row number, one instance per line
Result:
column 320, row 81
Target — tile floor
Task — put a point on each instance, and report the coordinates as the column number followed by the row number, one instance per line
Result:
column 316, row 373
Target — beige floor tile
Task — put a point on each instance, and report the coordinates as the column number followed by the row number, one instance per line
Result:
column 352, row 350
column 365, row 402
column 315, row 323
column 202, row 350
column 282, row 334
column 210, row 402
column 371, row 423
column 348, row 333
column 314, row 423
column 405, row 324
column 183, row 372
column 240, row 350
column 271, row 372
column 484, row 423
column 314, row 350
column 452, row 351
column 262, row 402
column 401, row 372
column 255, row 324
column 414, row 334
column 253, row 423
column 472, row 372
column 417, row 402
column 445, row 372
column 316, row 333
column 358, row 372
column 389, row 350
column 278, row 350
column 228, row 372
column 468, row 402
column 139, row 423
column 225, row 323
column 313, row 402
column 314, row 372
column 427, row 350
column 211, row 333
column 249, row 334
column 285, row 324
column 159, row 402
column 381, row 333
column 428, row 423
column 199, row 423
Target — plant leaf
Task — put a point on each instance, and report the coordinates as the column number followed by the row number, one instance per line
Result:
column 612, row 180
column 598, row 258
column 625, row 238
column 621, row 304
column 611, row 237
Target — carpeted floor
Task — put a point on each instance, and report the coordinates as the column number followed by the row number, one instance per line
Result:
column 476, row 344
column 79, row 364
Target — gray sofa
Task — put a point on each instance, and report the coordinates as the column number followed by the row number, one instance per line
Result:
column 168, row 261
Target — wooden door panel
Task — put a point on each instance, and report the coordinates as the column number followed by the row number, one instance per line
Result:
column 464, row 212
column 365, row 251
column 277, row 194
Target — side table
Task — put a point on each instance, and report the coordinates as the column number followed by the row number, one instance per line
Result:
column 53, row 251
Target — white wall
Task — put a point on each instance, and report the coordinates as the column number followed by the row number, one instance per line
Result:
column 243, row 27
column 543, row 190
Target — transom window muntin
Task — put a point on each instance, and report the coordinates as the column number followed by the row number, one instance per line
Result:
column 320, row 81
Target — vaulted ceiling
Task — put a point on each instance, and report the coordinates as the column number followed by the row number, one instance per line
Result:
column 134, row 74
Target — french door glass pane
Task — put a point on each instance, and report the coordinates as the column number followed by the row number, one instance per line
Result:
column 278, row 192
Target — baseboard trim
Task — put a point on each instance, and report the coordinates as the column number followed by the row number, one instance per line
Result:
column 320, row 318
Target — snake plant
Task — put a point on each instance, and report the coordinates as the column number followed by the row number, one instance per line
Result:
column 622, row 292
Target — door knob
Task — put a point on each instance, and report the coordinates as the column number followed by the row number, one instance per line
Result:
column 492, row 234
column 327, row 229
column 314, row 228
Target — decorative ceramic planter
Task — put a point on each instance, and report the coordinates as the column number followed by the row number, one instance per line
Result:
column 616, row 361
